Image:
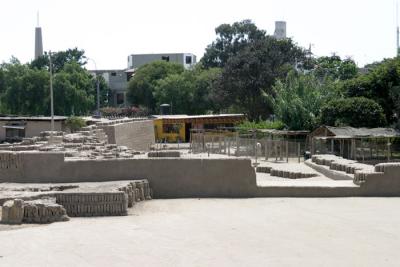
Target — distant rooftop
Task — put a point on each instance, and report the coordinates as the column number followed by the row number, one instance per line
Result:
column 350, row 132
column 183, row 116
column 33, row 118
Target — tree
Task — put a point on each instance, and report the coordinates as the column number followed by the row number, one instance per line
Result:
column 177, row 90
column 74, row 123
column 59, row 59
column 299, row 99
column 24, row 90
column 353, row 111
column 230, row 40
column 73, row 91
column 189, row 92
column 247, row 78
column 336, row 68
column 382, row 84
column 141, row 87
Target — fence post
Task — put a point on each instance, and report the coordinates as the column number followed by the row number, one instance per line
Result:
column 287, row 151
column 266, row 149
column 237, row 144
column 203, row 142
column 298, row 151
column 229, row 146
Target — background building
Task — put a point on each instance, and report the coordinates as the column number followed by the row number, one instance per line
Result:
column 117, row 81
column 280, row 30
column 137, row 60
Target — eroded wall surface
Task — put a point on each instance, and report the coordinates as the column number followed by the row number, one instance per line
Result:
column 138, row 135
column 169, row 177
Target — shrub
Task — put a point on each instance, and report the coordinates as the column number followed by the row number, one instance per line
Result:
column 353, row 111
column 74, row 123
column 247, row 125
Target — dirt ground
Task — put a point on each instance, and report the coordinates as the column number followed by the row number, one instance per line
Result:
column 217, row 232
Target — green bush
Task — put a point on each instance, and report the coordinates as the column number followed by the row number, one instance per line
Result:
column 353, row 111
column 74, row 123
column 248, row 125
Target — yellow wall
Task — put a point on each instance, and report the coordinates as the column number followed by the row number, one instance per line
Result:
column 170, row 137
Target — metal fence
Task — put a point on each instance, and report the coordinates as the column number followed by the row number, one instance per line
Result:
column 361, row 149
column 248, row 145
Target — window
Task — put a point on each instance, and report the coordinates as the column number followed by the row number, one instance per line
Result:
column 120, row 98
column 166, row 58
column 188, row 59
column 171, row 128
column 113, row 74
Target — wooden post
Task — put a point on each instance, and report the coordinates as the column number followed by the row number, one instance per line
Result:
column 224, row 145
column 298, row 151
column 229, row 146
column 287, row 151
column 388, row 146
column 332, row 146
column 203, row 141
column 266, row 149
column 362, row 150
column 237, row 144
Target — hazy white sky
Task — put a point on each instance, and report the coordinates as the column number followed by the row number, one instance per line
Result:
column 111, row 30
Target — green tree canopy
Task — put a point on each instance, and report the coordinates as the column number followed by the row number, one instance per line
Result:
column 299, row 100
column 142, row 86
column 247, row 78
column 382, row 84
column 24, row 88
column 59, row 59
column 353, row 111
column 336, row 68
column 189, row 92
column 230, row 40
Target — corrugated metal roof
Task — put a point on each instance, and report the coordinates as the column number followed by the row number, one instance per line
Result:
column 35, row 118
column 362, row 132
column 196, row 116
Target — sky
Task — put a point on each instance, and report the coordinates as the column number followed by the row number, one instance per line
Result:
column 109, row 31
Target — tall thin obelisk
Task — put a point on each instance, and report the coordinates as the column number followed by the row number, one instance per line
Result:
column 38, row 40
column 397, row 30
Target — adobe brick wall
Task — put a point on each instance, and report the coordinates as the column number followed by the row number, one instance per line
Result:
column 138, row 135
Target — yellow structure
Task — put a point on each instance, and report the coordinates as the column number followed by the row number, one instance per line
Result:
column 176, row 128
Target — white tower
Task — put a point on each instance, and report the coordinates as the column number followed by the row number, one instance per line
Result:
column 397, row 30
column 38, row 40
column 280, row 30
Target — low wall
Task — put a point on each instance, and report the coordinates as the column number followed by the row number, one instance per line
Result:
column 169, row 177
column 137, row 135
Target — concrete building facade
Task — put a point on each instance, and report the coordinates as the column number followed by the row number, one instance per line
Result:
column 137, row 60
column 117, row 81
column 280, row 30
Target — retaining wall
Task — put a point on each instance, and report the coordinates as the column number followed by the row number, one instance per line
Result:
column 169, row 177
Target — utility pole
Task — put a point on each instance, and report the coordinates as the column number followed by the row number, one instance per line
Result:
column 51, row 98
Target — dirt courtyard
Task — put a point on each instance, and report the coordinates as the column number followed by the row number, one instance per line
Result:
column 217, row 232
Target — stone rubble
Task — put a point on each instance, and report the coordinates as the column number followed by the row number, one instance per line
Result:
column 57, row 202
column 88, row 143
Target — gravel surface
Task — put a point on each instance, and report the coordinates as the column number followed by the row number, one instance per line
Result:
column 218, row 232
